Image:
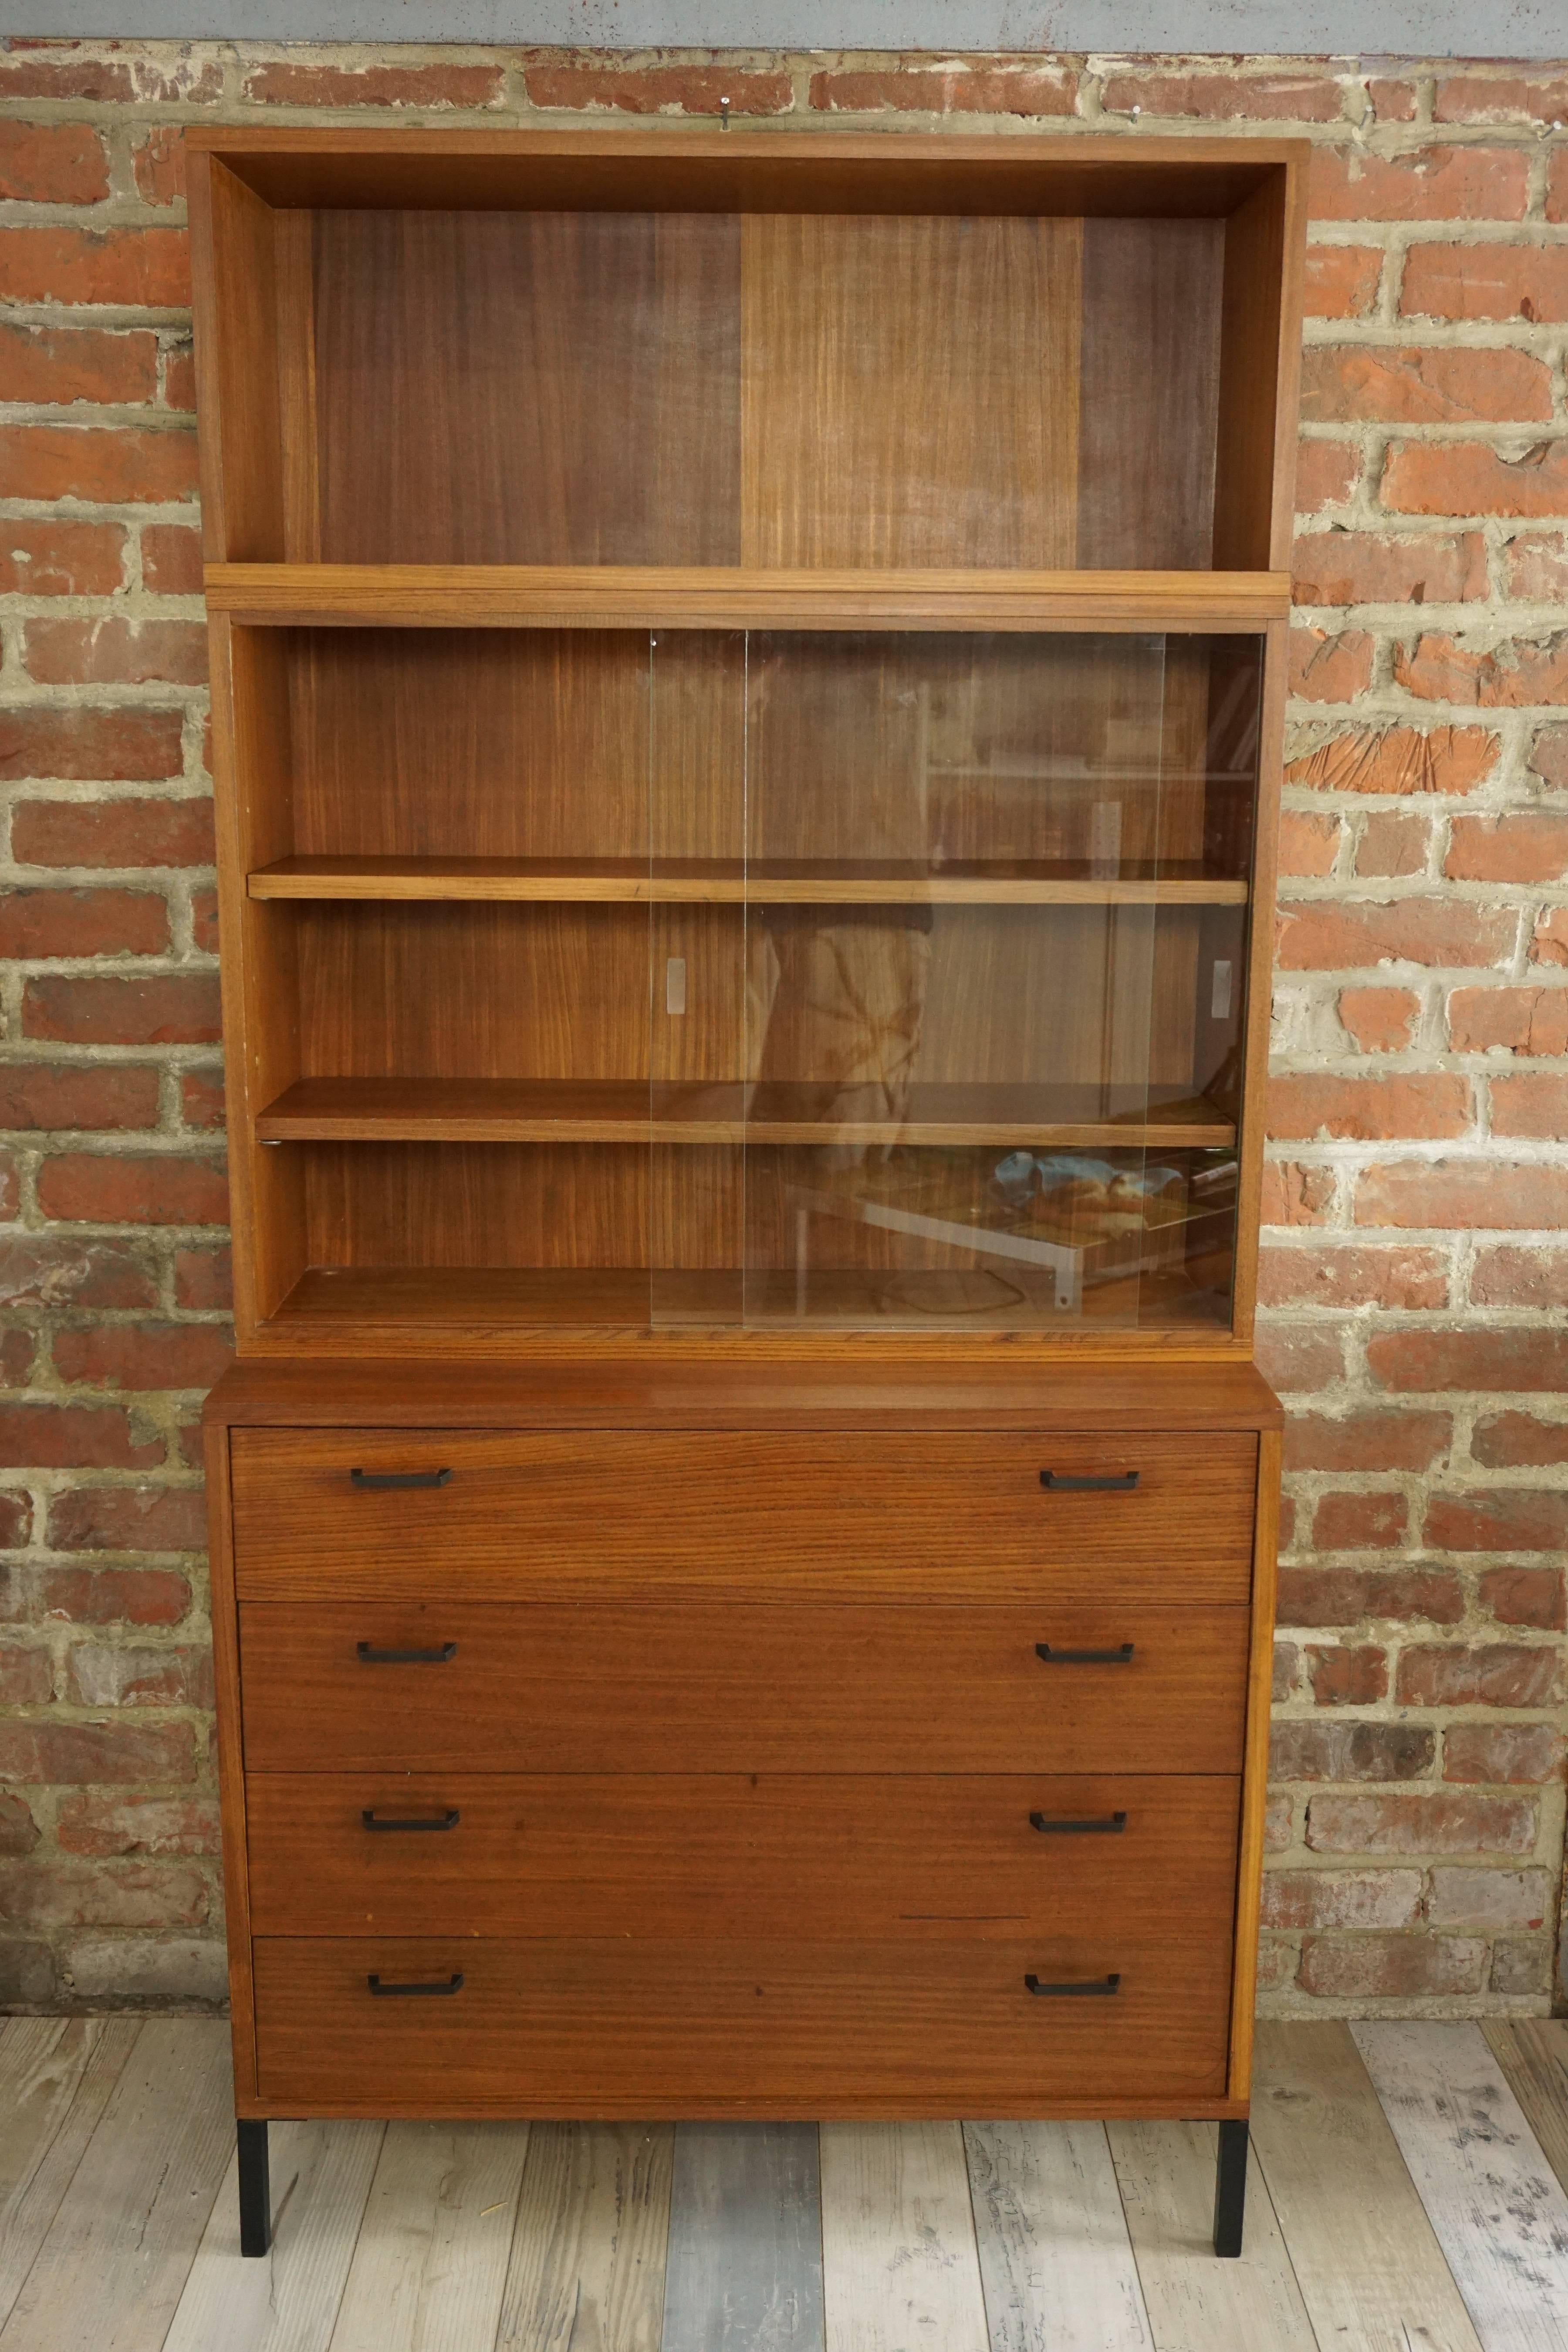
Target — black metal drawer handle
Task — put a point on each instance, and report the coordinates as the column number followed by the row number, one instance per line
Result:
column 1073, row 1991
column 447, row 1820
column 1118, row 1657
column 364, row 1479
column 390, row 1992
column 369, row 1655
column 1056, row 1483
column 1111, row 1825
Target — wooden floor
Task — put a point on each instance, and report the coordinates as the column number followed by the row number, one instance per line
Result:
column 1406, row 2195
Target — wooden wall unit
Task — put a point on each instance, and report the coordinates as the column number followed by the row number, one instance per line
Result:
column 748, row 676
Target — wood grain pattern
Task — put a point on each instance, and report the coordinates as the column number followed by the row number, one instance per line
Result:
column 56, row 2074
column 1259, row 340
column 1054, row 2256
column 430, row 2263
column 858, row 1855
column 898, row 2258
column 1166, row 2175
column 228, row 1755
column 235, row 309
column 537, row 1514
column 294, row 269
column 588, row 2252
column 740, row 1688
column 572, row 1207
column 1499, row 2212
column 1533, row 2054
column 1369, row 2267
column 1254, row 1794
column 746, row 2240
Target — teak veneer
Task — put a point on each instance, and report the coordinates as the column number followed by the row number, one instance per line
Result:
column 748, row 681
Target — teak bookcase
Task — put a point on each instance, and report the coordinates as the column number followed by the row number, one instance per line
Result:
column 748, row 675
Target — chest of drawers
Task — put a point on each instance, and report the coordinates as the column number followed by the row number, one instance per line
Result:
column 660, row 1747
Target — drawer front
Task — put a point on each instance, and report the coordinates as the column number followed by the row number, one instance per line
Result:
column 636, row 1515
column 545, row 1687
column 860, row 1856
column 695, row 2029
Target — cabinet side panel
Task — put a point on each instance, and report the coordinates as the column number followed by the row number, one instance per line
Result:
column 1255, row 1783
column 296, row 270
column 236, row 321
column 1260, row 321
column 230, row 1763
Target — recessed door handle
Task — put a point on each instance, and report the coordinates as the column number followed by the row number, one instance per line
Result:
column 366, row 1479
column 369, row 1655
column 454, row 1983
column 447, row 1820
column 1111, row 1825
column 1074, row 1991
column 1057, row 1482
column 1121, row 1656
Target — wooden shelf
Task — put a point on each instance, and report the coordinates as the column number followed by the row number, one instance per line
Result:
column 573, row 1110
column 712, row 882
column 624, row 597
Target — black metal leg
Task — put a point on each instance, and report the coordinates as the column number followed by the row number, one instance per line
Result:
column 1230, row 2189
column 254, row 2193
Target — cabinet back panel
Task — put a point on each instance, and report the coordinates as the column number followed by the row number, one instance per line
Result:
column 528, row 387
column 484, row 1205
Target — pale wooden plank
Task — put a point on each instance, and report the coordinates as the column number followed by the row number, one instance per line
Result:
column 587, row 2258
column 320, row 2181
column 1533, row 2055
column 1499, row 2208
column 430, row 2265
column 746, row 2240
column 899, row 2265
column 1166, row 2173
column 109, row 2273
column 1370, row 2269
column 55, row 2077
column 1055, row 2264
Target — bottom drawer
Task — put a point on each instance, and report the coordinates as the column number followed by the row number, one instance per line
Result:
column 590, row 2028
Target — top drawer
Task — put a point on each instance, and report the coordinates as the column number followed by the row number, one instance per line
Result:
column 637, row 1515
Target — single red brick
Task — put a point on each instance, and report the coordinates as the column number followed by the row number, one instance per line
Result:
column 91, row 745
column 19, row 1833
column 1524, row 1360
column 1279, row 1827
column 100, row 1674
column 143, row 1355
column 1368, row 1438
column 957, row 86
column 1507, row 1754
column 172, row 560
column 1549, row 941
column 1487, row 281
column 1462, row 184
column 1294, row 1194
column 1379, row 1019
column 1512, row 1276
column 1524, row 1020
column 72, row 1436
column 169, row 1009
column 75, row 1095
column 1332, row 1899
column 52, row 164
column 1350, row 1751
column 1353, row 1276
column 1526, row 1596
column 145, row 267
column 180, row 380
column 1498, row 1675
column 1392, row 1967
column 58, row 1894
column 1391, row 844
column 660, row 90
column 135, row 1824
column 1353, row 1522
column 1534, row 1105
column 112, row 1596
column 1319, row 935
column 1557, row 187
column 203, row 921
column 1535, row 565
column 127, row 1519
column 1308, row 842
column 1316, row 1595
column 203, row 1279
column 1392, row 101
column 114, row 464
column 156, row 1189
column 113, row 651
column 292, row 83
column 18, row 1349
column 52, row 557
column 143, row 831
column 1498, row 1519
column 1347, row 1677
column 166, row 77
column 1499, row 98
column 56, row 1269
column 1438, row 1823
column 1298, row 1357
column 201, row 1098
column 1400, row 759
column 1355, row 567
column 86, row 1753
column 1524, row 849
column 1342, row 280
column 1509, row 1441
column 1315, row 1106
column 1348, row 384
column 1328, row 668
column 1466, row 1195
column 193, row 1449
column 1471, row 478
column 61, row 70
column 1326, row 475
column 55, row 365
column 1224, row 98
column 158, row 159
column 27, row 1676
column 1287, row 1660
column 39, row 924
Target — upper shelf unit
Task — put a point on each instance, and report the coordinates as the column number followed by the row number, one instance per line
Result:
column 749, row 356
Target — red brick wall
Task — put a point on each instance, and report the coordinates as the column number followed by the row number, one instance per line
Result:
column 1414, row 1278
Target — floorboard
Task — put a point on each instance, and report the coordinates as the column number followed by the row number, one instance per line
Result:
column 430, row 2265
column 1055, row 2264
column 110, row 2271
column 746, row 2240
column 1166, row 2174
column 1499, row 2208
column 899, row 2265
column 1533, row 2055
column 588, row 2252
column 55, row 2077
column 1369, row 2266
